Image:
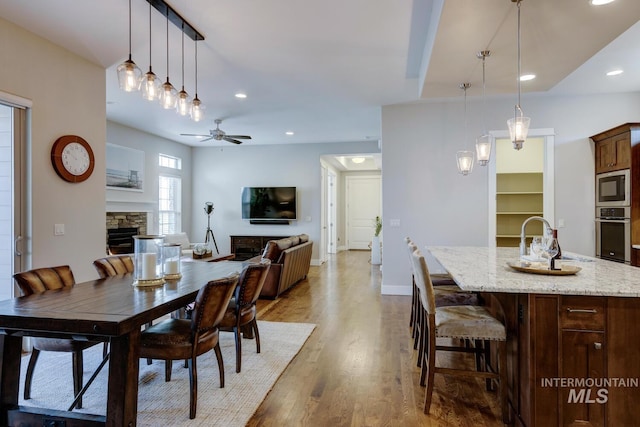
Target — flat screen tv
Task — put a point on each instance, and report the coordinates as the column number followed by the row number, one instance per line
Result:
column 268, row 203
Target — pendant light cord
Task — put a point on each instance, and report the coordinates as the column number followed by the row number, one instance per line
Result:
column 196, row 67
column 129, row 30
column 167, row 46
column 518, row 76
column 183, row 56
column 149, row 36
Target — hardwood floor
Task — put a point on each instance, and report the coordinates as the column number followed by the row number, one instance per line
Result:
column 358, row 367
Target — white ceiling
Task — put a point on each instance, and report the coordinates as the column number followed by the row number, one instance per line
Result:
column 323, row 69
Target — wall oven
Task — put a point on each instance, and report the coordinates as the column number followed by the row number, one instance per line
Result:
column 613, row 233
column 613, row 188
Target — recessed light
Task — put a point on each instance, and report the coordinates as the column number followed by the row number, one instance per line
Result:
column 289, row 133
column 527, row 77
column 615, row 72
column 357, row 160
column 241, row 95
column 600, row 2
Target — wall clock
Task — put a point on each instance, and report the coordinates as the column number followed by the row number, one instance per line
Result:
column 72, row 158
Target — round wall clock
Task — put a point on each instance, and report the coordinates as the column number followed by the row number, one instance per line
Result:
column 72, row 158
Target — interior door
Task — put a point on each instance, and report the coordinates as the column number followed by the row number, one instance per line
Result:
column 12, row 197
column 364, row 203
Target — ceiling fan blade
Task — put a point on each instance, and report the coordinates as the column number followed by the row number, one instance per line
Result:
column 238, row 136
column 194, row 134
column 235, row 141
column 206, row 139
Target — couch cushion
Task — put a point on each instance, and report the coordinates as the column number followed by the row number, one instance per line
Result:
column 304, row 238
column 180, row 238
column 295, row 240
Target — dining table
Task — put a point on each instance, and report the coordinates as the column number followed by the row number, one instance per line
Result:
column 110, row 310
column 567, row 327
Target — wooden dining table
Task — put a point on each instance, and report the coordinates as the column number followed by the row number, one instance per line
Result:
column 109, row 310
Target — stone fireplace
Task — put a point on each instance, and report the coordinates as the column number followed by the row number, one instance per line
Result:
column 121, row 226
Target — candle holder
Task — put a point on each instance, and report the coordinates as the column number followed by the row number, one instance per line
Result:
column 171, row 260
column 147, row 260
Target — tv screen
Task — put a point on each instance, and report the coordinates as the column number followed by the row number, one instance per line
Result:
column 268, row 203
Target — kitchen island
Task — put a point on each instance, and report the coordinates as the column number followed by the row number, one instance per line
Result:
column 573, row 341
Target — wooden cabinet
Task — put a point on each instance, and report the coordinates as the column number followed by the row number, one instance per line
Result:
column 582, row 356
column 245, row 247
column 555, row 339
column 613, row 153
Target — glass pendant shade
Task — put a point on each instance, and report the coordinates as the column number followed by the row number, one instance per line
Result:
column 129, row 76
column 184, row 103
column 128, row 72
column 518, row 129
column 168, row 95
column 483, row 149
column 197, row 109
column 150, row 86
column 465, row 162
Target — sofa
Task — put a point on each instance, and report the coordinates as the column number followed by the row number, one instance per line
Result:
column 290, row 260
column 182, row 239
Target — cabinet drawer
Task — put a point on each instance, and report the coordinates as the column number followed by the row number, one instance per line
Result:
column 587, row 313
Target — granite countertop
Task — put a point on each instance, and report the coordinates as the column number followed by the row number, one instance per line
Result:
column 484, row 269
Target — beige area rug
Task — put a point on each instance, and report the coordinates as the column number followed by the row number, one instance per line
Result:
column 161, row 403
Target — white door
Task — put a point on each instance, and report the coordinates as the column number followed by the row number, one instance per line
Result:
column 363, row 195
column 332, row 215
column 12, row 198
column 323, row 214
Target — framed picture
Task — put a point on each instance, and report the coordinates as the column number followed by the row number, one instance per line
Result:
column 125, row 168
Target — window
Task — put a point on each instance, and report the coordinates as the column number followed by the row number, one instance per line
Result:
column 169, row 202
column 170, row 162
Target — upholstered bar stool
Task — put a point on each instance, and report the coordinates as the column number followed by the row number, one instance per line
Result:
column 470, row 323
column 446, row 294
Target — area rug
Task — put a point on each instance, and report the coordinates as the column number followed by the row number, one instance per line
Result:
column 161, row 403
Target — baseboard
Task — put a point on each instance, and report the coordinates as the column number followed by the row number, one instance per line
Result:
column 395, row 290
column 315, row 262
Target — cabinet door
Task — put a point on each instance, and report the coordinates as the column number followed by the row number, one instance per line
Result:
column 583, row 356
column 613, row 153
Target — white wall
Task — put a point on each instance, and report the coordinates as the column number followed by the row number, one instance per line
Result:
column 220, row 173
column 152, row 145
column 68, row 95
column 437, row 206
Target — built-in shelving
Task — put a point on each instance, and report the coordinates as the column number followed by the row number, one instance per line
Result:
column 518, row 197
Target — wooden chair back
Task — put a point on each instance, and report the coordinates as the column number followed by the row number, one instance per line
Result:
column 42, row 279
column 114, row 265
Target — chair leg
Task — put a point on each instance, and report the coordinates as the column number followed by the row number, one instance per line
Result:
column 413, row 306
column 236, row 331
column 193, row 385
column 256, row 333
column 77, row 375
column 430, row 362
column 417, row 328
column 168, row 366
column 218, row 352
column 32, row 365
column 422, row 335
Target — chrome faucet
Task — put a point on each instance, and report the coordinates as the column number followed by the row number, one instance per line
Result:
column 523, row 244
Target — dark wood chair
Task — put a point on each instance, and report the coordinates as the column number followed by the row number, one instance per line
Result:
column 114, row 265
column 177, row 339
column 241, row 312
column 37, row 281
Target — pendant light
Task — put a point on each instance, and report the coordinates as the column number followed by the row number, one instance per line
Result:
column 128, row 72
column 464, row 158
column 518, row 125
column 184, row 100
column 168, row 94
column 197, row 108
column 150, row 83
column 483, row 142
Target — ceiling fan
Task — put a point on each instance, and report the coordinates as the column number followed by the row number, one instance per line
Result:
column 218, row 134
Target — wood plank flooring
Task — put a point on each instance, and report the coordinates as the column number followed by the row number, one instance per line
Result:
column 358, row 368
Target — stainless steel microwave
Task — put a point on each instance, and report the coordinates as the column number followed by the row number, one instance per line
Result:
column 613, row 188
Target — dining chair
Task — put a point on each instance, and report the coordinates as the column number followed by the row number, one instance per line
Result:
column 113, row 265
column 241, row 311
column 466, row 322
column 177, row 339
column 37, row 281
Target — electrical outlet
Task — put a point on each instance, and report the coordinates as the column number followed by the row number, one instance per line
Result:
column 58, row 229
column 561, row 223
column 394, row 223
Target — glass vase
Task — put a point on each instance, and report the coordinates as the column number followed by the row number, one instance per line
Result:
column 148, row 261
